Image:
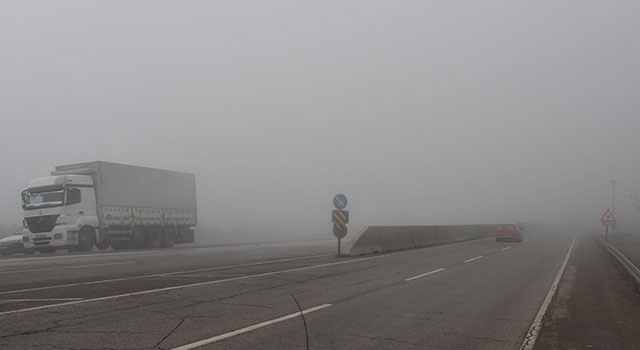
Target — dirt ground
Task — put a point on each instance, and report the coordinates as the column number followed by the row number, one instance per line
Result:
column 628, row 244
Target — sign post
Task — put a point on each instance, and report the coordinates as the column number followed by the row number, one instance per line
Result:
column 607, row 220
column 340, row 217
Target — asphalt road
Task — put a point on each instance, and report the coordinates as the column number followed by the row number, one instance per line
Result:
column 473, row 295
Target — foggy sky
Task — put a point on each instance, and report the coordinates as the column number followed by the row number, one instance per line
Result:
column 421, row 112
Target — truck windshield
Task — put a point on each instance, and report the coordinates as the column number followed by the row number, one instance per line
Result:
column 42, row 199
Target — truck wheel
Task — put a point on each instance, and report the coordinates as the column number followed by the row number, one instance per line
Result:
column 119, row 245
column 103, row 245
column 86, row 239
column 138, row 238
column 168, row 237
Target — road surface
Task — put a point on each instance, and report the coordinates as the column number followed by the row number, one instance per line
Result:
column 472, row 295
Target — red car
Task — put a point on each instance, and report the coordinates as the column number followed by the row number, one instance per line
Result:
column 509, row 232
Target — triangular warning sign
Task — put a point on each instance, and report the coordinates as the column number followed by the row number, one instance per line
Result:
column 607, row 216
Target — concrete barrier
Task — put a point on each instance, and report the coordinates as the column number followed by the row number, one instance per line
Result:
column 374, row 239
column 424, row 236
column 395, row 237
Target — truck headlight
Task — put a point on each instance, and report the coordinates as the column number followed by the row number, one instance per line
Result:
column 57, row 236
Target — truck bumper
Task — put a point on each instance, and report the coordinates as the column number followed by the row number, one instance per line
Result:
column 59, row 237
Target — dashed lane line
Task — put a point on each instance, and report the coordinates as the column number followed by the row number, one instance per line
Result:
column 424, row 274
column 250, row 328
column 473, row 259
column 206, row 283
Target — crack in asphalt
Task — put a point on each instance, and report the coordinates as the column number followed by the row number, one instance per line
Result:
column 157, row 346
column 304, row 321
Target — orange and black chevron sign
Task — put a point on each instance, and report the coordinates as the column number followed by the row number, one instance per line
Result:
column 340, row 219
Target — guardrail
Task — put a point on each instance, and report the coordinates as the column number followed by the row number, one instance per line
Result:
column 633, row 270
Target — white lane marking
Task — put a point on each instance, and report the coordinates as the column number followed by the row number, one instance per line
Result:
column 91, row 256
column 29, row 300
column 424, row 274
column 208, row 276
column 96, row 265
column 20, row 271
column 527, row 241
column 192, row 285
column 67, row 267
column 505, row 248
column 250, row 328
column 476, row 258
column 166, row 274
column 534, row 330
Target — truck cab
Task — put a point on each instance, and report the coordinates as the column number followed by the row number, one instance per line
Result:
column 56, row 209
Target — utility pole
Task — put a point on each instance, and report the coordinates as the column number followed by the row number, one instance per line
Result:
column 613, row 201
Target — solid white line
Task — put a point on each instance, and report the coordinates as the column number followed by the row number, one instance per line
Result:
column 95, row 255
column 534, row 330
column 20, row 271
column 96, row 265
column 424, row 274
column 192, row 285
column 166, row 274
column 68, row 267
column 208, row 276
column 476, row 258
column 505, row 248
column 250, row 328
column 23, row 300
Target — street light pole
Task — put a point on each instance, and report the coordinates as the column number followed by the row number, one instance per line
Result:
column 613, row 201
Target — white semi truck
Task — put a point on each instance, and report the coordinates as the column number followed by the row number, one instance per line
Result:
column 108, row 205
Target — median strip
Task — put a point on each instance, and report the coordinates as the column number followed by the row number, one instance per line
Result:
column 424, row 274
column 250, row 328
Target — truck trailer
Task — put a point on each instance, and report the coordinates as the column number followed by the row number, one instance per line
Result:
column 105, row 204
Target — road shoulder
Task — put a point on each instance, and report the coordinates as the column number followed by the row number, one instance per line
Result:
column 595, row 307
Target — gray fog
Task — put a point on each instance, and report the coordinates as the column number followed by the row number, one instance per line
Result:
column 421, row 112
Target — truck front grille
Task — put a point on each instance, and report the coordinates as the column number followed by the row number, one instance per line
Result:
column 44, row 223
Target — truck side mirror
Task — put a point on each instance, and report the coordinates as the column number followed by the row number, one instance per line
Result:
column 23, row 196
column 73, row 196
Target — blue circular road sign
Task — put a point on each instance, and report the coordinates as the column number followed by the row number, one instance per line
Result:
column 340, row 201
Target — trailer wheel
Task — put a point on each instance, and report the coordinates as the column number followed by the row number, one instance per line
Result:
column 152, row 236
column 168, row 237
column 86, row 239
